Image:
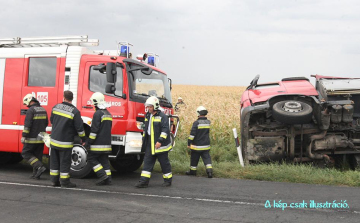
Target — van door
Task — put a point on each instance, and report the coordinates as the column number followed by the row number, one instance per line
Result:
column 95, row 81
column 41, row 79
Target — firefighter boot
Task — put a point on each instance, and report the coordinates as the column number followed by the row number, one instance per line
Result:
column 39, row 171
column 33, row 174
column 191, row 172
column 141, row 184
column 166, row 184
column 56, row 184
column 68, row 185
column 209, row 173
column 108, row 181
column 102, row 180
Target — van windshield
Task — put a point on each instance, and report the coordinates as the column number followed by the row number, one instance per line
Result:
column 155, row 84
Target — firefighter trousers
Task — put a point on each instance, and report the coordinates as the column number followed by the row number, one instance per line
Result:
column 205, row 156
column 60, row 162
column 100, row 164
column 33, row 153
column 149, row 162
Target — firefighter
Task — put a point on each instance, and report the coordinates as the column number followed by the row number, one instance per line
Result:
column 199, row 143
column 66, row 126
column 36, row 121
column 180, row 103
column 156, row 143
column 99, row 141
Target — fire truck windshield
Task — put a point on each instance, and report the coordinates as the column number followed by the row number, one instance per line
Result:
column 156, row 84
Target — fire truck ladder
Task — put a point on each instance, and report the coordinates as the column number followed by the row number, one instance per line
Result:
column 18, row 42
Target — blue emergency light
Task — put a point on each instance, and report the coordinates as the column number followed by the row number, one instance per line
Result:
column 124, row 50
column 151, row 60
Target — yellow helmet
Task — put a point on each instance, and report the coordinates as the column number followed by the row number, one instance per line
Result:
column 154, row 101
column 27, row 99
column 98, row 99
column 201, row 110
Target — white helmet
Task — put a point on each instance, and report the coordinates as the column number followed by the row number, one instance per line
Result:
column 27, row 99
column 201, row 110
column 179, row 98
column 154, row 101
column 98, row 99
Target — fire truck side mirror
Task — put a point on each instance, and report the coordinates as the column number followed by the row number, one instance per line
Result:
column 101, row 68
column 111, row 72
column 110, row 89
column 146, row 70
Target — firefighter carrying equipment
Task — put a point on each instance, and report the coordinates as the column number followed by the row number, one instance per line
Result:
column 201, row 110
column 98, row 100
column 153, row 101
column 159, row 132
column 36, row 121
column 66, row 124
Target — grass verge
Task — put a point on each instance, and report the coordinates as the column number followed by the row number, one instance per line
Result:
column 226, row 165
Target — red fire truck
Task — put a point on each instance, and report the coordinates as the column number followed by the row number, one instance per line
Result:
column 46, row 66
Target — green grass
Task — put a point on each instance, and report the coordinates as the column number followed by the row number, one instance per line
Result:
column 226, row 165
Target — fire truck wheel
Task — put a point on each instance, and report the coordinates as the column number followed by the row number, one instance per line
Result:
column 292, row 112
column 127, row 163
column 80, row 168
column 4, row 158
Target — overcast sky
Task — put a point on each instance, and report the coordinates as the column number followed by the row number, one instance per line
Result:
column 208, row 42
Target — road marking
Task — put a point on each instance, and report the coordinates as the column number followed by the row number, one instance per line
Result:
column 171, row 197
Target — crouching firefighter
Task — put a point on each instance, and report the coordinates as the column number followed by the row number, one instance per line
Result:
column 156, row 143
column 99, row 141
column 66, row 125
column 36, row 121
column 199, row 143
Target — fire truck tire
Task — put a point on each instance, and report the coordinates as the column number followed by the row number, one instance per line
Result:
column 127, row 163
column 5, row 158
column 80, row 168
column 292, row 112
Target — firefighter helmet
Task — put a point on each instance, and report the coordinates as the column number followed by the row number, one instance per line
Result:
column 201, row 110
column 98, row 99
column 28, row 98
column 154, row 101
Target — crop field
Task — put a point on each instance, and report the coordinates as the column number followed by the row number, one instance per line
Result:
column 223, row 104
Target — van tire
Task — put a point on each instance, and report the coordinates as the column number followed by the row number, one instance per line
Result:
column 127, row 163
column 292, row 116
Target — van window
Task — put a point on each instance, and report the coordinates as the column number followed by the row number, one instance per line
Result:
column 42, row 71
column 97, row 81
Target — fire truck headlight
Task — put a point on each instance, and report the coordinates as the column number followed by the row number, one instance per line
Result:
column 135, row 143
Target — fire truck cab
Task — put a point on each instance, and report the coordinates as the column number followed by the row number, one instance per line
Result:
column 47, row 66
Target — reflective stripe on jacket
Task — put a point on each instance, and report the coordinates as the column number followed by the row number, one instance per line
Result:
column 160, row 132
column 100, row 136
column 199, row 138
column 66, row 124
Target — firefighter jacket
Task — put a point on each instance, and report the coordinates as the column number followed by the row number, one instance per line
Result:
column 36, row 121
column 100, row 136
column 199, row 138
column 160, row 132
column 66, row 124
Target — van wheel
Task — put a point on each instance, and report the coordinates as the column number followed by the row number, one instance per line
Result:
column 80, row 168
column 127, row 163
column 292, row 112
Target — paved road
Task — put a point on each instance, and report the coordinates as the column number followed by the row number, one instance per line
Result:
column 190, row 199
